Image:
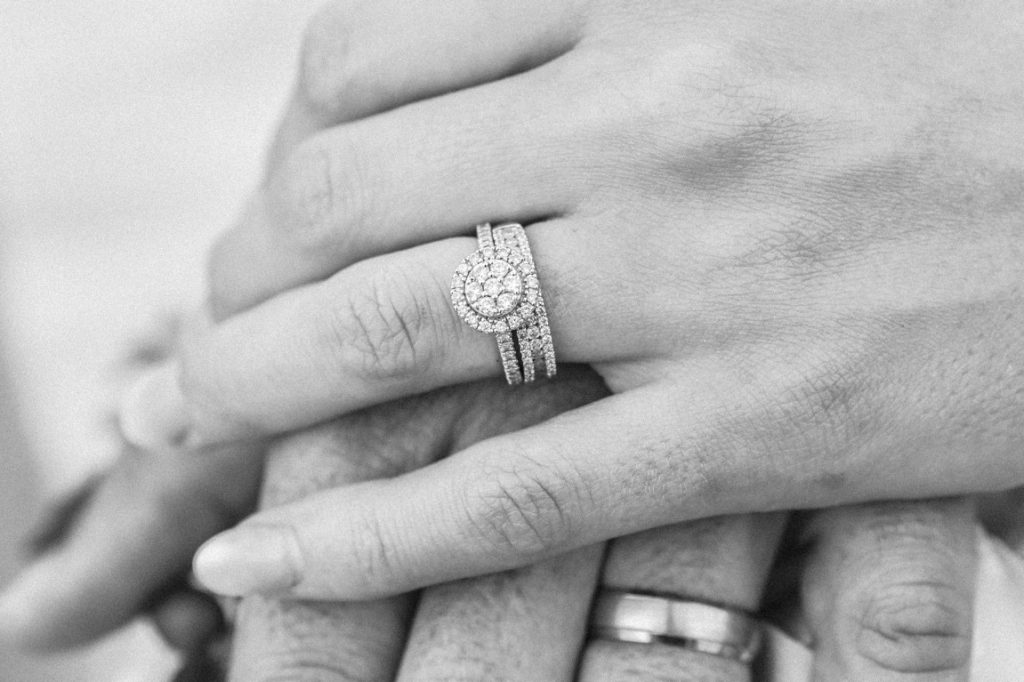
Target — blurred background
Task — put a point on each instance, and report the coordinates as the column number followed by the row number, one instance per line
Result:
column 130, row 132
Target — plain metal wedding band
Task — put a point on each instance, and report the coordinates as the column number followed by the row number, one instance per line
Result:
column 496, row 290
column 646, row 619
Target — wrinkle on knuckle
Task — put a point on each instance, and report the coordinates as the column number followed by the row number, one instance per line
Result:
column 922, row 626
column 327, row 66
column 319, row 198
column 524, row 511
column 382, row 331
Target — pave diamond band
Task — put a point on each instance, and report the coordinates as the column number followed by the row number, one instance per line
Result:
column 496, row 290
column 535, row 346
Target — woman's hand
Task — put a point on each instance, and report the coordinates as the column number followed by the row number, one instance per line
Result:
column 884, row 591
column 786, row 235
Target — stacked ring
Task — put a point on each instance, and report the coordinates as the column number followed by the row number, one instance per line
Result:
column 496, row 290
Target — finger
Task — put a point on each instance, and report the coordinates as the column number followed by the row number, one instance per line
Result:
column 136, row 535
column 381, row 329
column 723, row 561
column 607, row 469
column 362, row 58
column 187, row 620
column 527, row 624
column 414, row 175
column 277, row 639
column 888, row 590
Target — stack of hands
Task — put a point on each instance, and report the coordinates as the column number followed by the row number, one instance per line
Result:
column 786, row 241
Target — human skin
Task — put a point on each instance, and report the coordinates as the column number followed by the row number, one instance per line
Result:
column 392, row 102
column 887, row 588
column 810, row 216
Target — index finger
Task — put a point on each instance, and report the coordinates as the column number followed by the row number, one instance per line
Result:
column 723, row 561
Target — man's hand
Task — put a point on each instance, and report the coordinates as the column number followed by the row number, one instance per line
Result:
column 886, row 589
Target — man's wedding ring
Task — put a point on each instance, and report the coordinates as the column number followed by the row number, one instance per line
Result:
column 496, row 290
column 646, row 619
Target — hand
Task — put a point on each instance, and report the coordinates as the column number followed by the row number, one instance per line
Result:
column 796, row 265
column 888, row 591
column 889, row 586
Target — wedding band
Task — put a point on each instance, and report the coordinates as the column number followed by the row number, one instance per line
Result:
column 496, row 290
column 646, row 619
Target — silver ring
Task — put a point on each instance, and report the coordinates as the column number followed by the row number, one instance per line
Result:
column 645, row 619
column 496, row 290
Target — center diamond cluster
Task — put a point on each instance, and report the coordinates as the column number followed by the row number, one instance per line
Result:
column 494, row 288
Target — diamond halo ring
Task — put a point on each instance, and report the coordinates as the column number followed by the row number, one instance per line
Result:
column 496, row 290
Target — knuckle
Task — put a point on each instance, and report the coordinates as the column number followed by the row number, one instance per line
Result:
column 319, row 196
column 384, row 331
column 915, row 627
column 824, row 407
column 327, row 68
column 792, row 252
column 523, row 511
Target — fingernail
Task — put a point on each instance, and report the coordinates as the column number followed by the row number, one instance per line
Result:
column 249, row 558
column 154, row 413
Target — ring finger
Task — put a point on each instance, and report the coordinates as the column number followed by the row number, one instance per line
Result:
column 721, row 561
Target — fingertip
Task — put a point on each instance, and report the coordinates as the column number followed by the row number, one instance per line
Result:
column 154, row 413
column 251, row 558
column 188, row 621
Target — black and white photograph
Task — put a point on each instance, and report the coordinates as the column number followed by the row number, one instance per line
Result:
column 511, row 341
